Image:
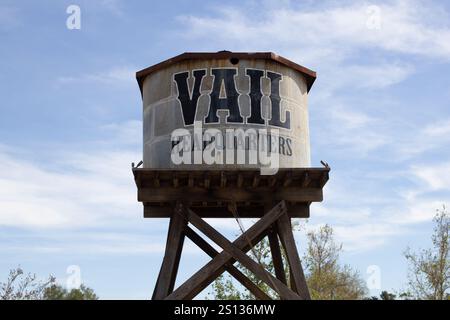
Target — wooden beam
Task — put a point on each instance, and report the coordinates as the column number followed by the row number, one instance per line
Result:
column 238, row 275
column 171, row 260
column 240, row 180
column 236, row 253
column 272, row 181
column 288, row 241
column 294, row 194
column 295, row 211
column 223, row 179
column 175, row 180
column 156, row 181
column 306, row 179
column 203, row 277
column 255, row 180
column 276, row 255
column 287, row 179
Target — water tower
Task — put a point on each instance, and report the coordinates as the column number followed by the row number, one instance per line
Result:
column 226, row 135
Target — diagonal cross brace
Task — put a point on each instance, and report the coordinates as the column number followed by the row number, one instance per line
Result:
column 235, row 272
column 202, row 278
column 245, row 260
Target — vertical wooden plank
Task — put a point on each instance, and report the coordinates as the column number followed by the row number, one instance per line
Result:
column 276, row 255
column 288, row 241
column 169, row 267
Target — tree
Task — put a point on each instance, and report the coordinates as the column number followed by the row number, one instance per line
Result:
column 385, row 295
column 225, row 287
column 20, row 286
column 326, row 278
column 57, row 292
column 429, row 269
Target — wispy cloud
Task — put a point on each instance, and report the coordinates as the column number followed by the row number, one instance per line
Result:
column 335, row 31
column 116, row 75
column 77, row 189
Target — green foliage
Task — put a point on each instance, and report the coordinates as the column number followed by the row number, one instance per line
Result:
column 326, row 278
column 57, row 292
column 429, row 274
column 225, row 289
column 387, row 295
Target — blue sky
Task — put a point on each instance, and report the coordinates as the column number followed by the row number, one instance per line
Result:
column 70, row 126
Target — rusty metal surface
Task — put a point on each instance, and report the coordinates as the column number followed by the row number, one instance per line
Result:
column 309, row 75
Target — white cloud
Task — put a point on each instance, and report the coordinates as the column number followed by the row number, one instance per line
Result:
column 334, row 39
column 404, row 28
column 440, row 129
column 378, row 75
column 125, row 133
column 116, row 75
column 350, row 131
column 363, row 237
column 78, row 188
column 436, row 176
column 430, row 137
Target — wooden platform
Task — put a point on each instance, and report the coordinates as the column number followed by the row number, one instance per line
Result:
column 210, row 193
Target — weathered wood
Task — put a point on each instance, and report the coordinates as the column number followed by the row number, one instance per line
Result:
column 298, row 186
column 183, row 194
column 294, row 211
column 288, row 241
column 175, row 180
column 240, row 256
column 255, row 180
column 238, row 275
column 223, row 180
column 240, row 180
column 169, row 266
column 306, row 179
column 287, row 179
column 276, row 255
column 156, row 183
column 203, row 277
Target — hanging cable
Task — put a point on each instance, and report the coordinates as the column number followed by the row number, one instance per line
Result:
column 233, row 208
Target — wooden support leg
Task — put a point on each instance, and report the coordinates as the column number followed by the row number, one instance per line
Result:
column 288, row 241
column 236, row 253
column 169, row 268
column 202, row 278
column 238, row 275
column 276, row 255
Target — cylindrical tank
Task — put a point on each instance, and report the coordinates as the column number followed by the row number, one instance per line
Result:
column 260, row 98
